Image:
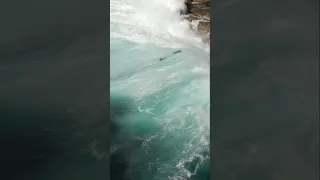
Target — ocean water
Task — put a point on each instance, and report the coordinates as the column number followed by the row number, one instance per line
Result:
column 164, row 122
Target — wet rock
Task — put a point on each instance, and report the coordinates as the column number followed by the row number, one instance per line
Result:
column 197, row 1
column 199, row 11
column 203, row 13
column 192, row 17
column 204, row 26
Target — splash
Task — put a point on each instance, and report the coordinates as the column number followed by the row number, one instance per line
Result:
column 167, row 118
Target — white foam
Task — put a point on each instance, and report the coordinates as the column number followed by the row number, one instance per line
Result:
column 153, row 22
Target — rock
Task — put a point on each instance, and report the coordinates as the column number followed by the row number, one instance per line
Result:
column 206, row 38
column 199, row 10
column 193, row 18
column 204, row 30
column 201, row 1
column 204, row 2
column 197, row 1
column 204, row 26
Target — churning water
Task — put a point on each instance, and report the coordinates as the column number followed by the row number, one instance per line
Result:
column 167, row 102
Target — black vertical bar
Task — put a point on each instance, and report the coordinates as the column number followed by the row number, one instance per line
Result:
column 264, row 89
column 54, row 89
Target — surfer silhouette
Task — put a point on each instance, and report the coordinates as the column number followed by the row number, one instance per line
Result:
column 179, row 51
column 176, row 52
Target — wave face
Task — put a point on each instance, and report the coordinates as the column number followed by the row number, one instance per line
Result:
column 167, row 102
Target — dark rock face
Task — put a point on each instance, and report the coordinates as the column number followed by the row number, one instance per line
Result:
column 199, row 11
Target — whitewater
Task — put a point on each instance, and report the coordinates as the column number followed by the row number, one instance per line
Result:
column 167, row 102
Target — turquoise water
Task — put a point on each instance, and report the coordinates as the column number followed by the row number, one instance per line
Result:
column 167, row 102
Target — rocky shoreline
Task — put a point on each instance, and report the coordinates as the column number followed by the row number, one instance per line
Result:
column 198, row 12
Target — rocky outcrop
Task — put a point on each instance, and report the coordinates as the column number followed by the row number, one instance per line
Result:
column 198, row 12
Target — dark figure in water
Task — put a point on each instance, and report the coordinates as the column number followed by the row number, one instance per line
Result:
column 162, row 58
column 179, row 51
column 176, row 52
